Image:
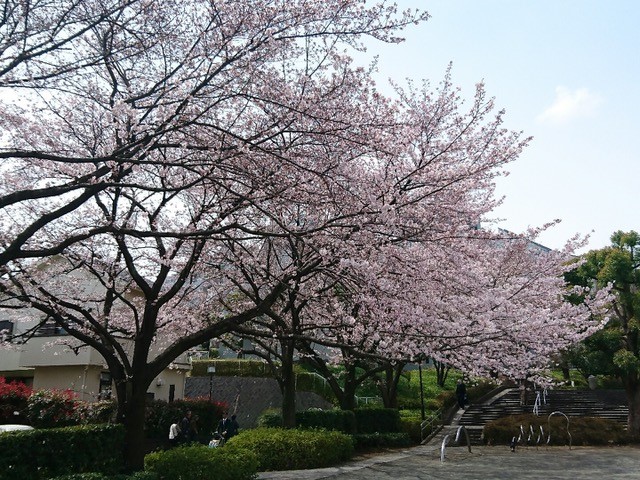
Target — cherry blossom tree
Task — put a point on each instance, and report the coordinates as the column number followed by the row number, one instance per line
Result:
column 93, row 90
column 149, row 145
column 175, row 170
column 489, row 305
column 432, row 186
column 504, row 310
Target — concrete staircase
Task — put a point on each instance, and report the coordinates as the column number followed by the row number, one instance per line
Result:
column 610, row 404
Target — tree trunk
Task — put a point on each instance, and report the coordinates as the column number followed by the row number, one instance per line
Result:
column 633, row 397
column 442, row 371
column 133, row 408
column 389, row 387
column 288, row 386
column 347, row 398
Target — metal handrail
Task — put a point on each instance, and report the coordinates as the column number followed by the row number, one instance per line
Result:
column 536, row 405
column 429, row 423
column 445, row 441
column 541, row 398
column 367, row 400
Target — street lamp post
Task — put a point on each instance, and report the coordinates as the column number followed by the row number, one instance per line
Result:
column 421, row 390
column 211, row 370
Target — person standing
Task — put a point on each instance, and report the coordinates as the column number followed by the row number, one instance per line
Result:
column 461, row 393
column 185, row 428
column 174, row 433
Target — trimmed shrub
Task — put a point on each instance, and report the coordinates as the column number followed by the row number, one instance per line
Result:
column 280, row 449
column 479, row 390
column 584, row 430
column 361, row 420
column 411, row 427
column 37, row 454
column 270, row 418
column 341, row 420
column 87, row 413
column 381, row 420
column 13, row 401
column 197, row 462
column 51, row 408
column 365, row 441
column 101, row 476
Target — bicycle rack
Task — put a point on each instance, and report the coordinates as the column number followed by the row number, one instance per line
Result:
column 549, row 426
column 445, row 441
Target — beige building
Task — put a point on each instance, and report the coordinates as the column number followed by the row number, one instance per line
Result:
column 44, row 363
column 48, row 359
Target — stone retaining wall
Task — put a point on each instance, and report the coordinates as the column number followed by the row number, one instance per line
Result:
column 248, row 397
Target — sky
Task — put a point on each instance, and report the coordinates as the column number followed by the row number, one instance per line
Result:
column 567, row 72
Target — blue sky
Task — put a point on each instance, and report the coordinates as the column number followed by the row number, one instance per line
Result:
column 567, row 72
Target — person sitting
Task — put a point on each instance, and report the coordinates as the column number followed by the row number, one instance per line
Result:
column 224, row 426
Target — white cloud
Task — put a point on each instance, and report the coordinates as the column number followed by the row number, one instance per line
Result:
column 570, row 104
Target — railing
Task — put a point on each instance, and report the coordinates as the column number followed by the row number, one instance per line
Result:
column 429, row 424
column 367, row 400
column 541, row 398
column 445, row 441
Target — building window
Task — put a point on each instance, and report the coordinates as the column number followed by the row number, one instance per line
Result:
column 104, row 392
column 6, row 330
column 50, row 329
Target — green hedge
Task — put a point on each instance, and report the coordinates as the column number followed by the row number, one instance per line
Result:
column 341, row 420
column 37, row 454
column 365, row 441
column 101, row 476
column 280, row 449
column 270, row 418
column 198, row 462
column 377, row 420
column 360, row 420
column 411, row 426
column 584, row 430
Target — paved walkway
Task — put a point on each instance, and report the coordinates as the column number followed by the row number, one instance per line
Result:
column 484, row 463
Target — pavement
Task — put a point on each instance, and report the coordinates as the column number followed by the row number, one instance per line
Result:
column 486, row 463
column 482, row 463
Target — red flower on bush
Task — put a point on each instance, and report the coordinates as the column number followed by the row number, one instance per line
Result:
column 13, row 389
column 13, row 400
